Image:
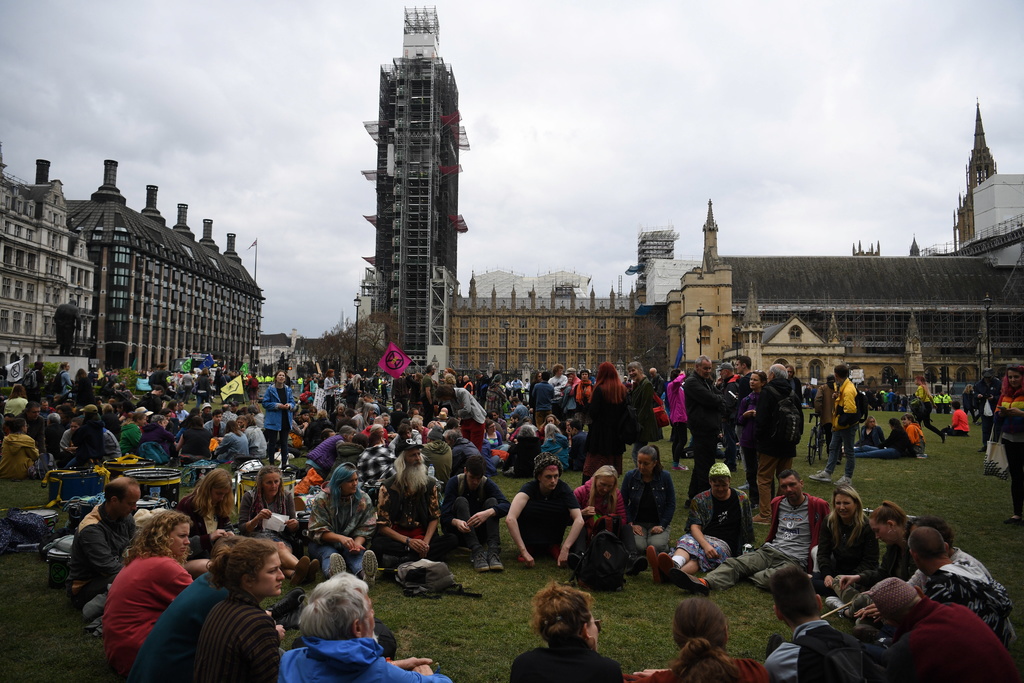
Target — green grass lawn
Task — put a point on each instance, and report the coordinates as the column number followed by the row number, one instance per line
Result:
column 476, row 640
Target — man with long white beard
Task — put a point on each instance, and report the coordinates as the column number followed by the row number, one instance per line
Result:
column 408, row 512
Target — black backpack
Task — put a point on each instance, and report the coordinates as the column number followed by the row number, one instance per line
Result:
column 789, row 419
column 846, row 663
column 603, row 565
column 862, row 407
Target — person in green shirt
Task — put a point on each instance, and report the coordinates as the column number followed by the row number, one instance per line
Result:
column 131, row 431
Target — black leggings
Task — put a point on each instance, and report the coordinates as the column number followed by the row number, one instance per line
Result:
column 1015, row 457
column 678, row 442
column 926, row 421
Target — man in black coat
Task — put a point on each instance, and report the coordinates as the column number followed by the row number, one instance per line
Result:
column 773, row 455
column 704, row 408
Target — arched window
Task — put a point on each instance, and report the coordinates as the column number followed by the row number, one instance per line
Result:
column 816, row 369
column 795, row 333
column 781, row 361
column 962, row 374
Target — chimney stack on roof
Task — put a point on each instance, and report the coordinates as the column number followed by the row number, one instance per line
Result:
column 182, row 225
column 42, row 172
column 208, row 235
column 230, row 251
column 151, row 211
column 108, row 190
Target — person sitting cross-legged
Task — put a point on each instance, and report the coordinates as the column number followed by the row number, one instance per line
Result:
column 541, row 511
column 472, row 506
column 409, row 513
column 797, row 518
column 342, row 521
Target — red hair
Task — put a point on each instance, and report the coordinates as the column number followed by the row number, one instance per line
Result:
column 608, row 381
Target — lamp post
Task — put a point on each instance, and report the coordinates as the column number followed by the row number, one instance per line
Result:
column 700, row 329
column 988, row 331
column 505, row 325
column 355, row 343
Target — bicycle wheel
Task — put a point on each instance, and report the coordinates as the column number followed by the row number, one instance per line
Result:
column 812, row 445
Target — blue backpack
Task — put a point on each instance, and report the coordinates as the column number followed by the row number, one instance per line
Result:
column 151, row 450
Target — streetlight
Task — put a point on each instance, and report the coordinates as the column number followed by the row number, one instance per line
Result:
column 505, row 325
column 700, row 329
column 355, row 346
column 988, row 331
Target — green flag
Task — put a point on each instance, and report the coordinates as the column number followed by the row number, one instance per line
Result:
column 187, row 365
column 135, row 363
column 244, row 370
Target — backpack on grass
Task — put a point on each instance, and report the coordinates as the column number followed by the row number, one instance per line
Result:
column 789, row 420
column 429, row 579
column 603, row 565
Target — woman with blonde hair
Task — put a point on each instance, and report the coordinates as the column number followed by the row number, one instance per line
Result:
column 701, row 631
column 604, row 510
column 845, row 546
column 16, row 403
column 153, row 575
column 239, row 640
column 562, row 617
column 209, row 509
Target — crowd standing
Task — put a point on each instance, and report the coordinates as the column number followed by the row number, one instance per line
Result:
column 402, row 471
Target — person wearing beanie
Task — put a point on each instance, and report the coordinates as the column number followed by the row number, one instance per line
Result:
column 541, row 510
column 937, row 642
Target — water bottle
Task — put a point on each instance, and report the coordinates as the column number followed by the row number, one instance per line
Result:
column 430, row 470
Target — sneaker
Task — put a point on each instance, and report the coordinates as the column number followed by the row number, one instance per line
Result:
column 300, row 571
column 922, row 456
column 1017, row 521
column 692, row 584
column 289, row 602
column 369, row 567
column 652, row 562
column 337, row 565
column 822, row 476
column 744, row 487
column 635, row 565
column 680, row 468
column 844, row 481
column 494, row 562
column 479, row 560
column 665, row 564
column 833, row 603
column 314, row 570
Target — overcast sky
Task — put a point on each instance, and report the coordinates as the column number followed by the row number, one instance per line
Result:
column 811, row 125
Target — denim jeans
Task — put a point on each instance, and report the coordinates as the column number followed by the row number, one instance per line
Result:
column 842, row 438
column 323, row 553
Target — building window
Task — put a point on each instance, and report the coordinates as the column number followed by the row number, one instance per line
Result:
column 522, row 341
column 542, row 341
column 522, row 323
column 705, row 335
column 32, row 262
column 542, row 323
column 16, row 323
column 483, row 339
column 29, row 320
column 561, row 323
column 602, row 323
column 19, row 258
column 582, row 341
column 602, row 340
column 6, row 290
column 581, row 323
column 483, row 323
column 542, row 360
column 561, row 341
column 464, row 323
column 8, row 255
column 5, row 321
column 795, row 333
column 816, row 369
column 17, row 289
column 30, row 293
column 464, row 339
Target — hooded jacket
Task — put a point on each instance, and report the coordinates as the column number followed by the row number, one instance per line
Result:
column 359, row 660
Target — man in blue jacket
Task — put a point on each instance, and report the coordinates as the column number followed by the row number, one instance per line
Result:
column 337, row 627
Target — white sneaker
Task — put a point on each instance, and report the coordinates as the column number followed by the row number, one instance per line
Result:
column 822, row 476
column 369, row 567
column 833, row 602
column 337, row 565
column 844, row 481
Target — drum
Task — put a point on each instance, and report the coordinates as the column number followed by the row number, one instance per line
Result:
column 49, row 517
column 151, row 503
column 248, row 481
column 158, row 482
column 126, row 462
column 58, row 564
column 68, row 484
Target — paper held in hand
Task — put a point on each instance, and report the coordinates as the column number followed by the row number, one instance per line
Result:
column 275, row 523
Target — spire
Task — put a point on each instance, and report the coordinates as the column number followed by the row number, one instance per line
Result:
column 912, row 332
column 751, row 314
column 914, row 249
column 833, row 329
column 979, row 130
column 710, row 241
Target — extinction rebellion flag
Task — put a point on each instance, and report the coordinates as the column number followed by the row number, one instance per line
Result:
column 394, row 361
column 16, row 371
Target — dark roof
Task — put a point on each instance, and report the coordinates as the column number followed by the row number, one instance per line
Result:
column 114, row 217
column 868, row 280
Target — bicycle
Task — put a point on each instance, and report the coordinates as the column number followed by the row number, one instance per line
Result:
column 815, row 439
